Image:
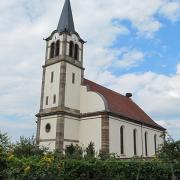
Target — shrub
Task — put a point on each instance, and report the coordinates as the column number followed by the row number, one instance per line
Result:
column 90, row 150
column 27, row 147
column 74, row 152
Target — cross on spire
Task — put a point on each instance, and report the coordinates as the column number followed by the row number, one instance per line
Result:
column 66, row 22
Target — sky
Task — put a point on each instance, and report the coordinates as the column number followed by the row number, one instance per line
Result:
column 132, row 46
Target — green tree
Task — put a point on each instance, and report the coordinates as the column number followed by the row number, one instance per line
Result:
column 170, row 150
column 4, row 141
column 90, row 150
column 27, row 147
column 4, row 146
column 74, row 152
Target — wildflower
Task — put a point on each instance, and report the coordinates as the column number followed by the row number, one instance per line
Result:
column 61, row 166
column 10, row 157
column 27, row 169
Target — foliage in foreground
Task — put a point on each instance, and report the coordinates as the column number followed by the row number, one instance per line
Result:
column 26, row 160
column 48, row 167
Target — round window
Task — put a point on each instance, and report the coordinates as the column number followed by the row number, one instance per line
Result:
column 48, row 127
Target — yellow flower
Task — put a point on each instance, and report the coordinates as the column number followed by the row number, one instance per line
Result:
column 61, row 166
column 10, row 157
column 47, row 160
column 27, row 169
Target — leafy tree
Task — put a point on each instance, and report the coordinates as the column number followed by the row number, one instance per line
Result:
column 4, row 141
column 4, row 146
column 74, row 152
column 103, row 155
column 170, row 150
column 90, row 150
column 27, row 147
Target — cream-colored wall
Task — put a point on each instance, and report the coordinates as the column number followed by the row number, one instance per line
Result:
column 51, row 89
column 71, row 128
column 90, row 130
column 49, row 144
column 55, row 38
column 52, row 120
column 90, row 101
column 150, row 140
column 72, row 95
column 114, row 135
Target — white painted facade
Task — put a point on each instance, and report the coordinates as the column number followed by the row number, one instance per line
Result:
column 114, row 134
column 90, row 101
column 72, row 94
column 90, row 131
column 51, row 88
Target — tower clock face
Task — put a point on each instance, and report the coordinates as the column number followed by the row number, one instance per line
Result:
column 48, row 128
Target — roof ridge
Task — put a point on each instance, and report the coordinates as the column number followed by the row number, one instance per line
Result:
column 107, row 88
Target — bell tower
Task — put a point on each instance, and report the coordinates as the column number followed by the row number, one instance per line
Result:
column 61, row 81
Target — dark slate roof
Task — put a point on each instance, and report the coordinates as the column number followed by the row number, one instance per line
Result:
column 122, row 105
column 66, row 22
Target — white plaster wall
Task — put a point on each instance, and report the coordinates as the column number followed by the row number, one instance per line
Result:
column 71, row 128
column 51, row 89
column 114, row 135
column 52, row 120
column 49, row 144
column 90, row 101
column 72, row 91
column 150, row 140
column 90, row 130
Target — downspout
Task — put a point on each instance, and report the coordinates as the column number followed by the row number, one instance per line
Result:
column 142, row 139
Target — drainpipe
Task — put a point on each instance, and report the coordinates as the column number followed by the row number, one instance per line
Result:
column 142, row 140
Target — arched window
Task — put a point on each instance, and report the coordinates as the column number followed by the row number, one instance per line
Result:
column 122, row 140
column 57, row 48
column 52, row 50
column 135, row 141
column 76, row 52
column 146, row 145
column 155, row 143
column 71, row 47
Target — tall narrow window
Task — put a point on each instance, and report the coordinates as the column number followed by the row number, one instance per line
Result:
column 52, row 50
column 54, row 99
column 71, row 47
column 52, row 77
column 122, row 139
column 73, row 78
column 76, row 52
column 155, row 143
column 135, row 141
column 146, row 148
column 47, row 99
column 57, row 48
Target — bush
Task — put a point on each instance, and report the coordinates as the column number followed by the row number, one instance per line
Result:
column 90, row 150
column 170, row 151
column 49, row 168
column 4, row 142
column 74, row 152
column 27, row 147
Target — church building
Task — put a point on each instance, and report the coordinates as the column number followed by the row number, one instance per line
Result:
column 75, row 110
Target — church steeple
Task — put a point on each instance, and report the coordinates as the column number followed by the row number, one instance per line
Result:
column 66, row 22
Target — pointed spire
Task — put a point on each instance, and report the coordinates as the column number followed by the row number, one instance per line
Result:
column 66, row 22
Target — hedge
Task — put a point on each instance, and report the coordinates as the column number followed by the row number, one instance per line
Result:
column 48, row 167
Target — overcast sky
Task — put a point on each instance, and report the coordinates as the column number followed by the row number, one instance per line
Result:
column 132, row 46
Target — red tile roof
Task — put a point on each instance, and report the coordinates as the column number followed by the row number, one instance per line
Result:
column 122, row 105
